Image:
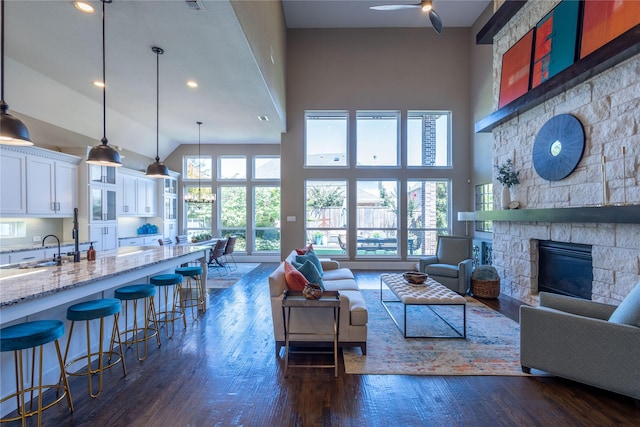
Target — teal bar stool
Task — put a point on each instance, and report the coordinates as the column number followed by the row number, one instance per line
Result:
column 193, row 291
column 87, row 311
column 136, row 335
column 170, row 307
column 30, row 335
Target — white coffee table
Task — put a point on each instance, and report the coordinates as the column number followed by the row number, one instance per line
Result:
column 429, row 294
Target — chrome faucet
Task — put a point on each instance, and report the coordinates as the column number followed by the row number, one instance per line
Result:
column 58, row 259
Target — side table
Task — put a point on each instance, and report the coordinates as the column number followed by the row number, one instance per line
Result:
column 295, row 299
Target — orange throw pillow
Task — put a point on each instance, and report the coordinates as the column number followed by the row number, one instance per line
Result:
column 303, row 251
column 295, row 280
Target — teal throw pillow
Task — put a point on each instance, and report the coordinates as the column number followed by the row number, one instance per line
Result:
column 311, row 256
column 310, row 272
column 628, row 312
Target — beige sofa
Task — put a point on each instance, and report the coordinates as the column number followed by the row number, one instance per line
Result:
column 352, row 330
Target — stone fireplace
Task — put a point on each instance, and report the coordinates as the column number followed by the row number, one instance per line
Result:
column 608, row 107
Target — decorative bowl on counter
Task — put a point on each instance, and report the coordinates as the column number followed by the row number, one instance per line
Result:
column 415, row 277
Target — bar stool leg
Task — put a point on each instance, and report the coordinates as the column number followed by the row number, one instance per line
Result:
column 32, row 336
column 115, row 336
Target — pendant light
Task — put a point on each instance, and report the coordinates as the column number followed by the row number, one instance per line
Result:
column 104, row 154
column 199, row 197
column 157, row 169
column 12, row 130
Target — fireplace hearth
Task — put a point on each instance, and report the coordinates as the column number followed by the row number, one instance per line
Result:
column 565, row 268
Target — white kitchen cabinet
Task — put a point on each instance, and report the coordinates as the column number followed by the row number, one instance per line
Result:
column 102, row 174
column 170, row 229
column 38, row 183
column 104, row 237
column 13, row 187
column 27, row 256
column 127, row 195
column 168, row 196
column 5, row 259
column 147, row 198
column 52, row 187
column 102, row 204
column 148, row 240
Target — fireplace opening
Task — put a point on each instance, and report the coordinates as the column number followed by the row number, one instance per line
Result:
column 565, row 268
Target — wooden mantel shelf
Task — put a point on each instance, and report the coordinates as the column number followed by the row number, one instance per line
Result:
column 601, row 214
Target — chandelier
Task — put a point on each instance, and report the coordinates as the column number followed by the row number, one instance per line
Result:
column 199, row 197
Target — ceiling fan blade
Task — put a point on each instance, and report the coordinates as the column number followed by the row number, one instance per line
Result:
column 394, row 7
column 435, row 21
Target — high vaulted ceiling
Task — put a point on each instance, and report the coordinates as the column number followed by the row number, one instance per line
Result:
column 54, row 52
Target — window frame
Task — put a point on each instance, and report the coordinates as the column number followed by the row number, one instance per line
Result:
column 329, row 114
column 449, row 144
column 373, row 115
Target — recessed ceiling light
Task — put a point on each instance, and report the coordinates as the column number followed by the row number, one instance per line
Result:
column 263, row 118
column 192, row 84
column 98, row 83
column 83, row 6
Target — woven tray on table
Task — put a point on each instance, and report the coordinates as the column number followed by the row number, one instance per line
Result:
column 485, row 288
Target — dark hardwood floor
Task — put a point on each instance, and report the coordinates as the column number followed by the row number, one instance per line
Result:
column 222, row 371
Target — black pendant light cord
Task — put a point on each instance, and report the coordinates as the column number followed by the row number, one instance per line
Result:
column 157, row 106
column 199, row 162
column 4, row 106
column 158, row 51
column 104, row 79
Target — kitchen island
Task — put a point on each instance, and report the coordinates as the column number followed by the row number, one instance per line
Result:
column 38, row 290
column 28, row 289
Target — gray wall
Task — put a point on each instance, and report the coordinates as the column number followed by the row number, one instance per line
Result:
column 368, row 69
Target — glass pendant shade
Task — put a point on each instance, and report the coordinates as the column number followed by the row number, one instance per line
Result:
column 104, row 154
column 12, row 130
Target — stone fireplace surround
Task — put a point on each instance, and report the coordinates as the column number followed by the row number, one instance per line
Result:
column 608, row 106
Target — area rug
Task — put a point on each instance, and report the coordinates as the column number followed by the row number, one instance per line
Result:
column 217, row 277
column 492, row 346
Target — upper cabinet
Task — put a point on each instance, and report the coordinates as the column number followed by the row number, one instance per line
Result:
column 13, row 188
column 37, row 182
column 137, row 194
column 52, row 187
column 102, row 174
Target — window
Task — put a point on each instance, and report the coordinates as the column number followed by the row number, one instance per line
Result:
column 247, row 204
column 233, row 213
column 266, row 218
column 484, row 202
column 326, row 139
column 196, row 167
column 199, row 215
column 233, row 167
column 326, row 220
column 266, row 167
column 427, row 215
column 377, row 223
column 428, row 138
column 377, row 138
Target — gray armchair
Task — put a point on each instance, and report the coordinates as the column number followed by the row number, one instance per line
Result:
column 579, row 340
column 452, row 263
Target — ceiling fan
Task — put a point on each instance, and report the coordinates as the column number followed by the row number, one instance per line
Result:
column 425, row 5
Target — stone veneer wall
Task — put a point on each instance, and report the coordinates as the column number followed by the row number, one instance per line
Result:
column 608, row 106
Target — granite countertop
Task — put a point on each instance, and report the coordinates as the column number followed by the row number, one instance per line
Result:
column 50, row 243
column 20, row 284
